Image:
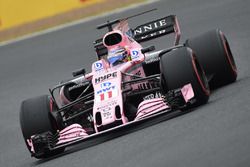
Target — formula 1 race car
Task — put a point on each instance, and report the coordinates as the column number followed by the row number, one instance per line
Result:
column 128, row 84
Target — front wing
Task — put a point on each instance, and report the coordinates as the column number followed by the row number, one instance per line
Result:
column 47, row 141
column 75, row 134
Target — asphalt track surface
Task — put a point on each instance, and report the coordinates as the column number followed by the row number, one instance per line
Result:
column 217, row 134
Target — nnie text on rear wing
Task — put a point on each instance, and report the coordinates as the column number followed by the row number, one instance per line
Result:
column 158, row 28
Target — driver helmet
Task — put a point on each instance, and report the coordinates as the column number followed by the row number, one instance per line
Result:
column 117, row 56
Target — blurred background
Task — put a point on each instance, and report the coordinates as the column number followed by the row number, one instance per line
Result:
column 20, row 17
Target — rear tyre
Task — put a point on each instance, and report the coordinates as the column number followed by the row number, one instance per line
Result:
column 35, row 118
column 213, row 52
column 180, row 67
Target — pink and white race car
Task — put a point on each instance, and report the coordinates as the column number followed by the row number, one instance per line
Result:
column 127, row 84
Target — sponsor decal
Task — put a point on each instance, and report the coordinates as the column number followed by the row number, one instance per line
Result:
column 106, row 109
column 105, row 77
column 152, row 96
column 106, row 92
column 157, row 33
column 78, row 86
column 106, row 89
column 107, row 105
column 155, row 59
column 134, row 54
column 98, row 66
column 153, row 29
column 107, row 114
column 105, row 84
column 151, row 26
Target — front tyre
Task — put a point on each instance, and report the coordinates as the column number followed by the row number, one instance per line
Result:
column 180, row 67
column 35, row 118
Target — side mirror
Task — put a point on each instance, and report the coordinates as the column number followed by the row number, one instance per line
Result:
column 147, row 49
column 81, row 71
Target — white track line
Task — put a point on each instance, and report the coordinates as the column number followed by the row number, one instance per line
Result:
column 49, row 30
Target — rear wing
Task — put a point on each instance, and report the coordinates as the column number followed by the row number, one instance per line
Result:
column 148, row 31
column 158, row 28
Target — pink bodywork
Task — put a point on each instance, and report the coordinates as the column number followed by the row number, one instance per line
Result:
column 107, row 82
column 106, row 102
column 72, row 132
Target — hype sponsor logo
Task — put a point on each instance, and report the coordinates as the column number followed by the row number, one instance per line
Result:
column 105, row 77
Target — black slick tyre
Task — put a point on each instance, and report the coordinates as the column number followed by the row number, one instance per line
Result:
column 214, row 54
column 180, row 67
column 35, row 118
